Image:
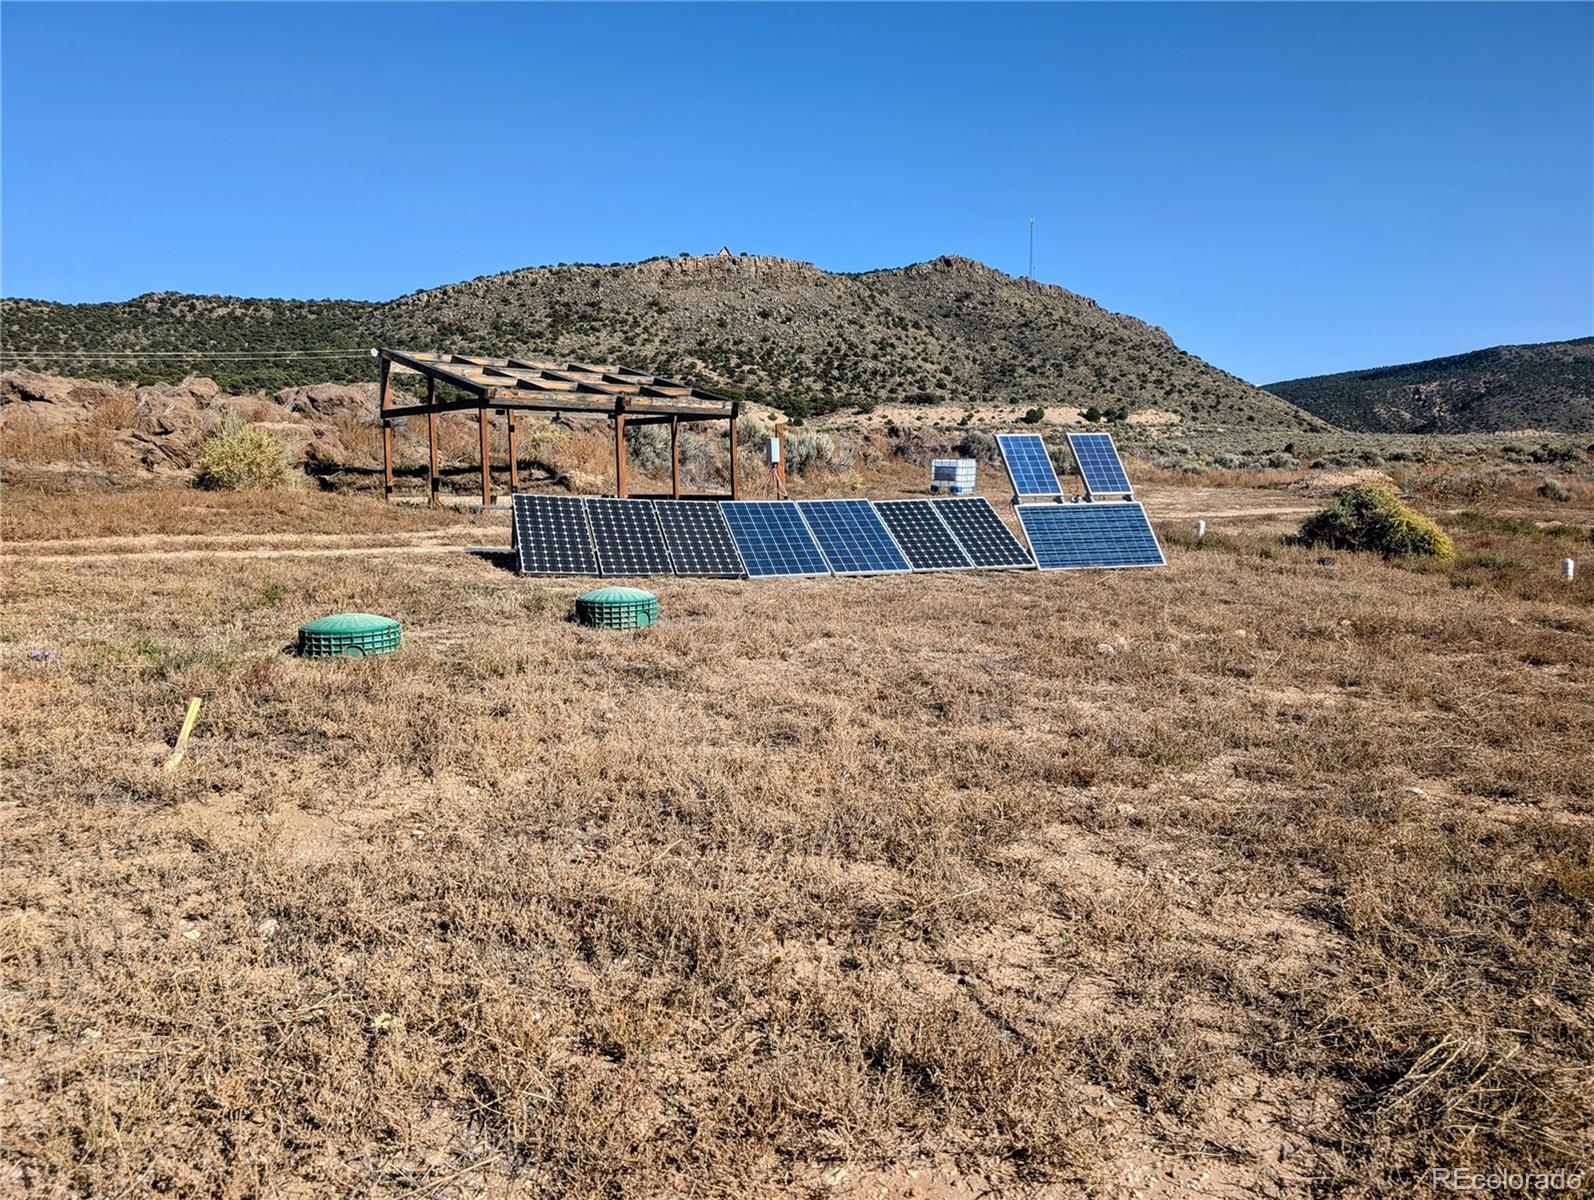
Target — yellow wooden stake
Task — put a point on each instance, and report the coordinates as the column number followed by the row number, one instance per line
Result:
column 182, row 738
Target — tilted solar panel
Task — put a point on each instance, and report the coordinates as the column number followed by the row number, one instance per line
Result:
column 852, row 537
column 627, row 538
column 923, row 536
column 1028, row 464
column 552, row 536
column 1068, row 537
column 985, row 538
column 773, row 539
column 1099, row 464
column 698, row 539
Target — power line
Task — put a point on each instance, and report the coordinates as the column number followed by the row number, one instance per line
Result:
column 228, row 354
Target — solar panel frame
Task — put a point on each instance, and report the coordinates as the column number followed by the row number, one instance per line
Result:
column 552, row 535
column 688, row 528
column 1086, row 537
column 1099, row 465
column 980, row 530
column 912, row 516
column 627, row 538
column 853, row 538
column 1027, row 462
column 758, row 526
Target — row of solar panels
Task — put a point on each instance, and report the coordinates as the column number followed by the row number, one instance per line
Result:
column 1029, row 465
column 575, row 535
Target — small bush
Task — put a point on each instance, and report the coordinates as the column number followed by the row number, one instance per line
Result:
column 1554, row 489
column 805, row 449
column 1034, row 416
column 1368, row 516
column 977, row 445
column 237, row 456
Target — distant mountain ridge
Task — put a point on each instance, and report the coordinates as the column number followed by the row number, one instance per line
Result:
column 804, row 339
column 1548, row 386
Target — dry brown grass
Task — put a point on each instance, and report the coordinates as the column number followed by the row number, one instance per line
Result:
column 1273, row 876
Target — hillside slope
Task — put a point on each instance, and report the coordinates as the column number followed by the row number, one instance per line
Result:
column 768, row 328
column 1549, row 386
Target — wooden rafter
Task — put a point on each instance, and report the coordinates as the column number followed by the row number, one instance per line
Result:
column 510, row 385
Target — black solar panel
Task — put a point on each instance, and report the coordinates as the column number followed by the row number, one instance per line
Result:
column 552, row 537
column 626, row 534
column 922, row 534
column 984, row 538
column 698, row 539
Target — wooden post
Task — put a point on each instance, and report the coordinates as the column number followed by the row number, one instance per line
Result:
column 780, row 460
column 514, row 458
column 433, row 479
column 383, row 391
column 675, row 457
column 487, row 471
column 621, row 486
column 736, row 474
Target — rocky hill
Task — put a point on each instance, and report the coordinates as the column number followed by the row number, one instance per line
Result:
column 1544, row 387
column 806, row 340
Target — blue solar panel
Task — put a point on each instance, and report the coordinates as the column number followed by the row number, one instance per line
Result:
column 1028, row 464
column 853, row 538
column 1067, row 537
column 1099, row 464
column 773, row 538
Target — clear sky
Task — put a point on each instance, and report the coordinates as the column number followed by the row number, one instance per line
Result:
column 1287, row 189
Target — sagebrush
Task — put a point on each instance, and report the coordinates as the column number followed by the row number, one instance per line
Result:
column 1370, row 516
column 237, row 456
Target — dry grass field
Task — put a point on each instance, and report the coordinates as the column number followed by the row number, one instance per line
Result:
column 1255, row 876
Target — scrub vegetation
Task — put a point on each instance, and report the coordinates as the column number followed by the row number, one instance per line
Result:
column 1255, row 876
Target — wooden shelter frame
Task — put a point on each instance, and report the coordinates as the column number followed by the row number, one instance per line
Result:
column 509, row 386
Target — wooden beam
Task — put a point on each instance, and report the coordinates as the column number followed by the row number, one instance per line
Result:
column 675, row 457
column 621, row 484
column 433, row 473
column 487, row 470
column 736, row 473
column 384, row 390
column 514, row 457
column 780, row 459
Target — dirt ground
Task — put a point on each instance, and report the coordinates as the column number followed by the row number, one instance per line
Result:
column 1257, row 876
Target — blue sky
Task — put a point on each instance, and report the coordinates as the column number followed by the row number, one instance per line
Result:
column 1287, row 189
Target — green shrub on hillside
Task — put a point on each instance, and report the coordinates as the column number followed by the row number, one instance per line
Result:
column 1370, row 516
column 238, row 456
column 1554, row 489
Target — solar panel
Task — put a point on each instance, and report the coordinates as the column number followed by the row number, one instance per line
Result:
column 852, row 537
column 922, row 534
column 1028, row 464
column 1099, row 464
column 1068, row 537
column 627, row 538
column 698, row 539
column 551, row 536
column 987, row 541
column 773, row 538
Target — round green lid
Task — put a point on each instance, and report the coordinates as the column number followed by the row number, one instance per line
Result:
column 347, row 623
column 617, row 595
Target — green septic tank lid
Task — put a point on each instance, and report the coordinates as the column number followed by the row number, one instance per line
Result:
column 617, row 608
column 359, row 634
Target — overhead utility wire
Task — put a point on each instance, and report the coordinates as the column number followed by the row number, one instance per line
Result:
column 246, row 354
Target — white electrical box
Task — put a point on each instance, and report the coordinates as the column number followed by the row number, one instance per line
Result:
column 773, row 456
